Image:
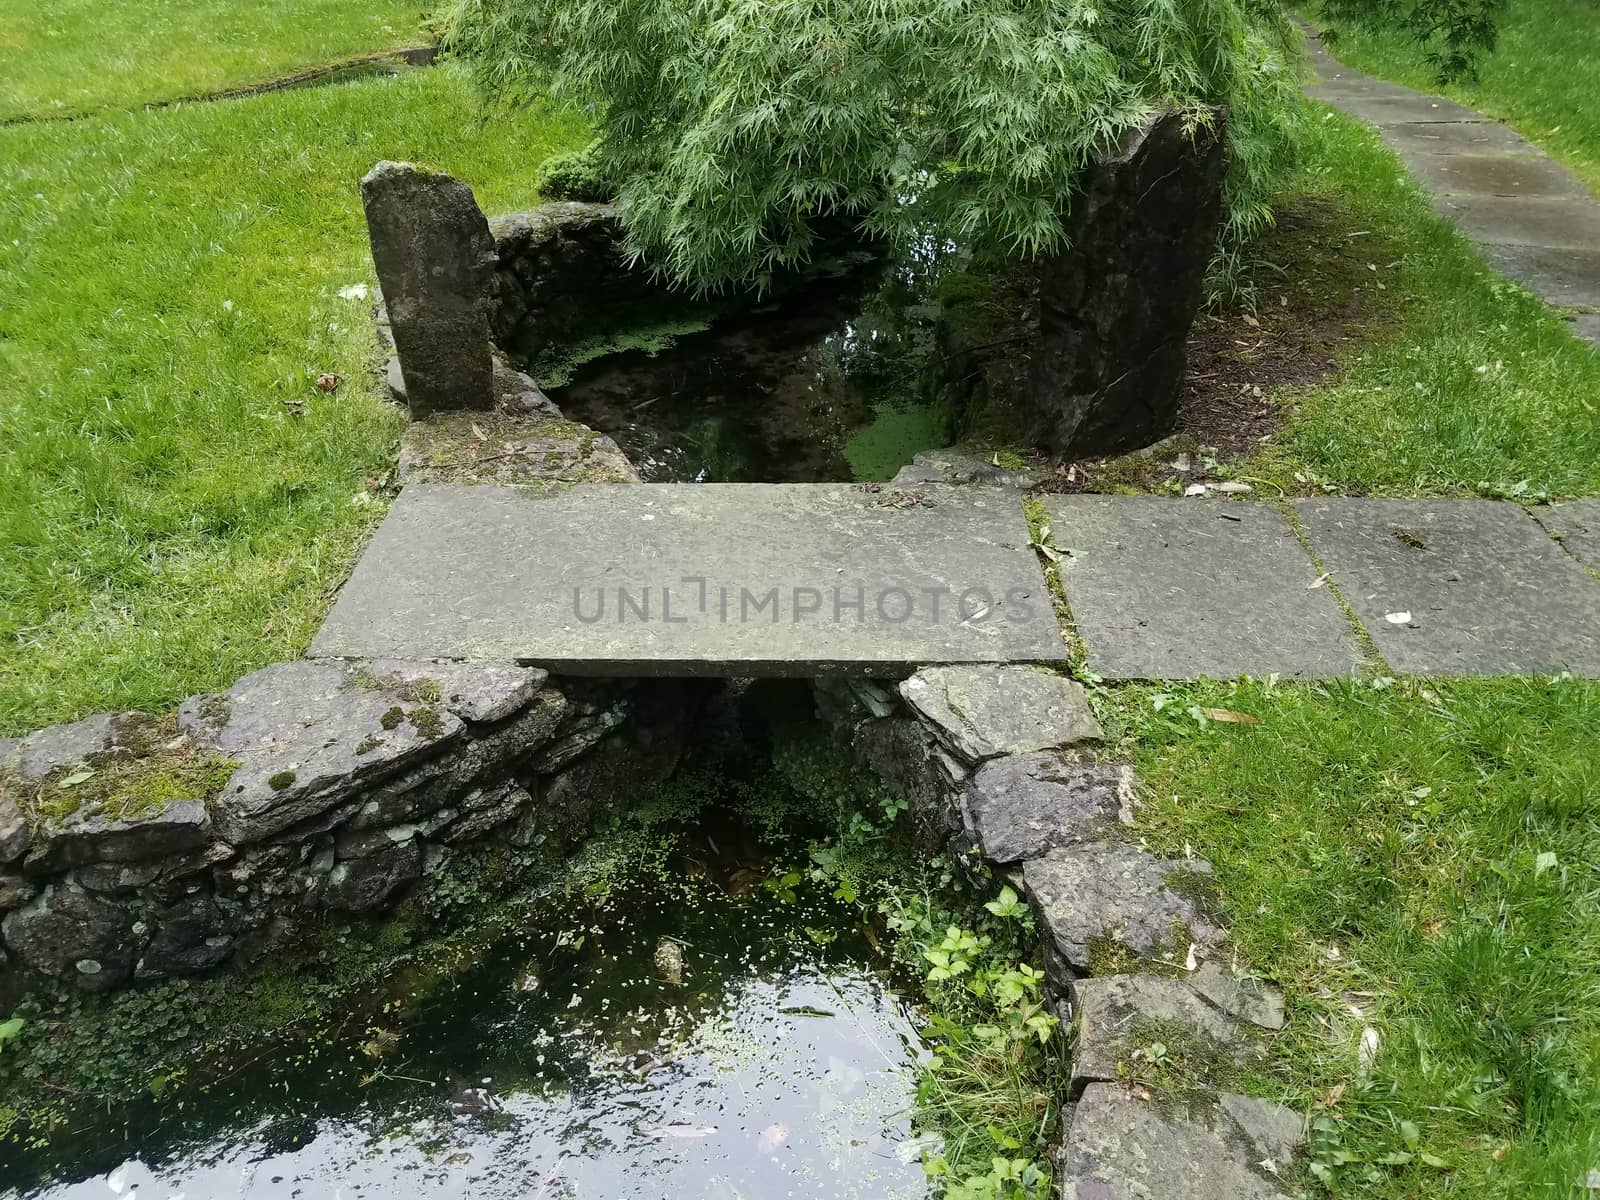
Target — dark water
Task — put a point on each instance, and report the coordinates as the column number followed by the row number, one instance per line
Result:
column 829, row 384
column 567, row 1067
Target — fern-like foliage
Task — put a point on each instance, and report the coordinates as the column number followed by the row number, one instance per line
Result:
column 731, row 126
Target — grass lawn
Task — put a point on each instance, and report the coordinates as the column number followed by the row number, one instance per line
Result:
column 1543, row 78
column 1424, row 863
column 169, row 517
column 73, row 56
column 1461, row 382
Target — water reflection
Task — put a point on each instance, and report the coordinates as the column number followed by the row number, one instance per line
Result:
column 831, row 384
column 780, row 1066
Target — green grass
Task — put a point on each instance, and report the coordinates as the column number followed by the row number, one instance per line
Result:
column 1543, row 78
column 172, row 281
column 73, row 56
column 1470, row 385
column 1424, row 863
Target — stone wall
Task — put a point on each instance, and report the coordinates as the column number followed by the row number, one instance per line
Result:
column 135, row 848
column 564, row 278
column 1001, row 768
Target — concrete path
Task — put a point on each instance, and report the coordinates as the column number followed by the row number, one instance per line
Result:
column 824, row 579
column 1530, row 217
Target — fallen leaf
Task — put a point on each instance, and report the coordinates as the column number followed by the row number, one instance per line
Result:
column 1398, row 618
column 1251, row 321
column 76, row 778
column 1195, row 489
column 1228, row 717
column 1234, row 488
column 1318, row 581
column 478, row 433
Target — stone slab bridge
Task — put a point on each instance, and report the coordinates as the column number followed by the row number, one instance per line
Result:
column 877, row 580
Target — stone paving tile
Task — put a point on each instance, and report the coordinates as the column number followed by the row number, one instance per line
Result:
column 1458, row 587
column 1451, row 138
column 1414, row 109
column 1495, row 175
column 684, row 579
column 1177, row 589
column 1576, row 524
column 1557, row 222
column 1563, row 276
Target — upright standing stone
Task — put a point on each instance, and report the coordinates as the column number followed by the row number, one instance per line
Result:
column 435, row 259
column 1115, row 306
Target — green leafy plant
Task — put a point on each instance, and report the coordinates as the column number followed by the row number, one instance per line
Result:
column 741, row 132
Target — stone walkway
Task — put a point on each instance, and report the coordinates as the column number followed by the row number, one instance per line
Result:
column 831, row 579
column 1529, row 216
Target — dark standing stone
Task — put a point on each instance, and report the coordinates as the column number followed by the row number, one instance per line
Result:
column 435, row 260
column 1116, row 304
column 1025, row 805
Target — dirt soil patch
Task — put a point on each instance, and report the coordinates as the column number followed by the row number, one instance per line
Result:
column 1314, row 286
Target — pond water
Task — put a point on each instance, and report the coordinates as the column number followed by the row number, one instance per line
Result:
column 568, row 1066
column 831, row 383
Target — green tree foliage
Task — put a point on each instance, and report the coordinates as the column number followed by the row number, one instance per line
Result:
column 1452, row 34
column 733, row 126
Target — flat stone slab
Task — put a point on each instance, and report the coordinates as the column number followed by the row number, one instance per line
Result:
column 1178, row 589
column 1417, row 108
column 708, row 579
column 1496, row 175
column 1457, row 138
column 1563, row 277
column 1576, row 525
column 1458, row 587
column 1118, row 1015
column 1563, row 222
column 983, row 712
column 1119, row 1146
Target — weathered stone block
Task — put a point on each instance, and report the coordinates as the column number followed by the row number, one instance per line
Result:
column 1024, row 805
column 1116, row 304
column 308, row 736
column 70, row 934
column 1119, row 1014
column 435, row 259
column 97, row 837
column 1116, row 900
column 373, row 881
column 1120, row 1147
column 481, row 693
column 982, row 712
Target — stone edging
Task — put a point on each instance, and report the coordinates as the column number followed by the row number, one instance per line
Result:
column 994, row 764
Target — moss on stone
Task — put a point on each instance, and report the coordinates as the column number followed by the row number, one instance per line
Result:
column 392, row 718
column 368, row 745
column 280, row 780
column 427, row 722
column 153, row 765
